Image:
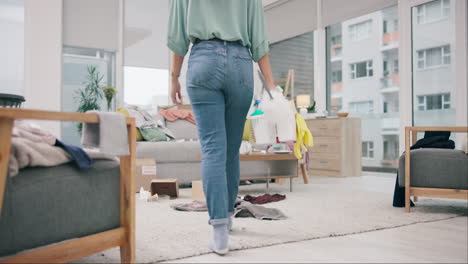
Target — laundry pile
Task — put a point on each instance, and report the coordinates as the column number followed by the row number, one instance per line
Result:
column 33, row 146
column 246, row 207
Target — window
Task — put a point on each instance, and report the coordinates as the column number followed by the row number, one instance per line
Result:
column 362, row 107
column 336, row 76
column 391, row 150
column 361, row 69
column 368, row 149
column 433, row 11
column 395, row 66
column 434, row 102
column 295, row 53
column 364, row 91
column 390, row 26
column 76, row 61
column 146, row 87
column 12, row 46
column 360, row 31
column 433, row 57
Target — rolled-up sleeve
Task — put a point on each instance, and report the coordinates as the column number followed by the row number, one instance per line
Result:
column 177, row 39
column 257, row 30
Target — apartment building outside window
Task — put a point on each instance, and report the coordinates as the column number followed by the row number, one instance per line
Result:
column 368, row 149
column 433, row 11
column 369, row 87
column 434, row 57
column 361, row 69
column 360, row 31
column 434, row 102
column 434, row 48
column 362, row 107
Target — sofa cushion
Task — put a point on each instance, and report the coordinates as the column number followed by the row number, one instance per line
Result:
column 46, row 205
column 182, row 129
column 169, row 151
column 436, row 168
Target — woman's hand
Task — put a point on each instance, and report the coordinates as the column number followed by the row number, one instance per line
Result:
column 176, row 95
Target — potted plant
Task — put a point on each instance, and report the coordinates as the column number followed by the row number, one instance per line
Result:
column 89, row 97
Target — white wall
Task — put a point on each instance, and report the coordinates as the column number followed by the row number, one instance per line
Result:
column 43, row 57
column 146, row 33
column 290, row 19
column 91, row 23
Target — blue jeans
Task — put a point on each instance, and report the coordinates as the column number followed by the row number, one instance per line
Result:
column 220, row 87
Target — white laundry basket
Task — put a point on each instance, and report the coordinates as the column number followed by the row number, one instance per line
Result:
column 278, row 120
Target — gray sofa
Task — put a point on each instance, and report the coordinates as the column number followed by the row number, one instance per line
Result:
column 45, row 205
column 436, row 168
column 181, row 160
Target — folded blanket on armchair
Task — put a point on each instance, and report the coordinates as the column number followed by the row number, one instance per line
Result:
column 31, row 146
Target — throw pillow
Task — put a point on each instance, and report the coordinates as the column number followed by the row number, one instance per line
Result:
column 153, row 134
column 125, row 112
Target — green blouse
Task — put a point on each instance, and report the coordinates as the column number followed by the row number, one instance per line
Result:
column 238, row 20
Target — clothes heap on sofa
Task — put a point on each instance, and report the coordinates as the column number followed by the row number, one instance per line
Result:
column 152, row 127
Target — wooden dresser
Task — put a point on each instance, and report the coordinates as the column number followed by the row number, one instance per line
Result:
column 337, row 147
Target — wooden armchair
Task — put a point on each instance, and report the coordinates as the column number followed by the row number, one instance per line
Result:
column 412, row 133
column 123, row 236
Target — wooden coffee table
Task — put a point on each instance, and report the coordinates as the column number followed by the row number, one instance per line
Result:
column 272, row 157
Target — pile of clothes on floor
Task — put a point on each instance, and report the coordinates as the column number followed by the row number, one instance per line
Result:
column 247, row 206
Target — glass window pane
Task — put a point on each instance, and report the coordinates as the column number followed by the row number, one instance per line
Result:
column 374, row 97
column 436, row 83
column 12, row 47
column 295, row 53
column 433, row 57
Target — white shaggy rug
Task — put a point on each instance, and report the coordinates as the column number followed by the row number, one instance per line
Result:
column 323, row 208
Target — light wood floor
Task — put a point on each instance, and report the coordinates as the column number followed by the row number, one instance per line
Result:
column 437, row 242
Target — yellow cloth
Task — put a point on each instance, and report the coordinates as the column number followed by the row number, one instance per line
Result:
column 247, row 127
column 125, row 112
column 303, row 137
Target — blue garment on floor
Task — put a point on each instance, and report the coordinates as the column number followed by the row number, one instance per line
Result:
column 220, row 87
column 79, row 157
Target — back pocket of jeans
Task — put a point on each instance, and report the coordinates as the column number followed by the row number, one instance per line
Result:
column 201, row 69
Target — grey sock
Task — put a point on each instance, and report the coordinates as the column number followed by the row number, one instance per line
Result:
column 220, row 238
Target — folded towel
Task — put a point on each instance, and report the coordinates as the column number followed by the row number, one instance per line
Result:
column 109, row 136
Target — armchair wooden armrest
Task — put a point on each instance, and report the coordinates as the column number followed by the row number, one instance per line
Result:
column 427, row 192
column 67, row 251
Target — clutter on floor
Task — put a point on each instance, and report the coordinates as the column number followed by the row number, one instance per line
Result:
column 194, row 206
column 145, row 173
column 165, row 186
column 263, row 199
column 197, row 191
column 247, row 209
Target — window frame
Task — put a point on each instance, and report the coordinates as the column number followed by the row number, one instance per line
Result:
column 444, row 55
column 421, row 12
column 369, row 69
column 444, row 97
column 354, row 33
column 369, row 149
